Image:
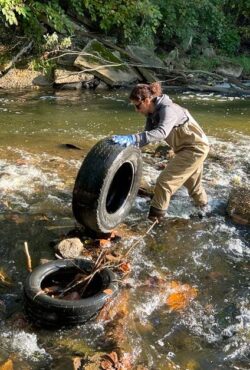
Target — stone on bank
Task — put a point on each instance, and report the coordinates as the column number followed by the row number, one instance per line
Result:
column 108, row 67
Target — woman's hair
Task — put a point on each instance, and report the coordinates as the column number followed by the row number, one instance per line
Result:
column 143, row 91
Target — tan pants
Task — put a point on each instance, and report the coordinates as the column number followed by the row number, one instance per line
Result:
column 184, row 169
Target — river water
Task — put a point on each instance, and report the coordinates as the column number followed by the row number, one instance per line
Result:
column 37, row 174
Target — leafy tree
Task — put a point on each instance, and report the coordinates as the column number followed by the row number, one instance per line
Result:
column 29, row 14
column 202, row 21
column 126, row 17
column 238, row 14
column 223, row 23
column 11, row 9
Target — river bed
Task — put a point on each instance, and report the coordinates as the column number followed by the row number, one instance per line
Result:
column 37, row 173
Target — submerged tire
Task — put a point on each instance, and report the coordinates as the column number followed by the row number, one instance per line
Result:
column 54, row 312
column 106, row 185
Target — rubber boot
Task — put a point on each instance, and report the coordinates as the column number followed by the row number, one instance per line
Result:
column 203, row 210
column 156, row 214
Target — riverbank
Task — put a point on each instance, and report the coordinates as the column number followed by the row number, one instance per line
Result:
column 92, row 61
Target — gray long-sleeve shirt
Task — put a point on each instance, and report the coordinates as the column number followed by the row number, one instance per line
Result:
column 160, row 123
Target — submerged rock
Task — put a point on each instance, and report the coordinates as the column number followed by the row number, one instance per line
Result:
column 238, row 207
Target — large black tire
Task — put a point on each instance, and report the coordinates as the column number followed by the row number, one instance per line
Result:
column 106, row 186
column 53, row 312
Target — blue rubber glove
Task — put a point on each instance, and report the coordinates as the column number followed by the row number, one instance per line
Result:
column 124, row 140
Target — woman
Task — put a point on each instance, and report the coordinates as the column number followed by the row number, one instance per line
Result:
column 168, row 121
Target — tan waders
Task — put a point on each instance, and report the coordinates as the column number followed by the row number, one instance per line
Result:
column 185, row 168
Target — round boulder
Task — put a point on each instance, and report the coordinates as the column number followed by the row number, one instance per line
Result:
column 238, row 207
column 70, row 248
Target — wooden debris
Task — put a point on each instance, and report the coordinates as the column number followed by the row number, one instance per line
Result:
column 4, row 279
column 29, row 263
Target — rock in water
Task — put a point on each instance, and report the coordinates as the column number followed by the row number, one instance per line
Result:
column 70, row 248
column 238, row 207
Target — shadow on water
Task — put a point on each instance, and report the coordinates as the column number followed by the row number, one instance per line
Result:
column 210, row 254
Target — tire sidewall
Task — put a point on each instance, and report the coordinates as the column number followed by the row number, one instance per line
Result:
column 58, row 312
column 93, row 181
column 106, row 220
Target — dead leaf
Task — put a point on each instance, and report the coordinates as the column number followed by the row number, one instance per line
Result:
column 125, row 267
column 113, row 357
column 104, row 243
column 106, row 365
column 103, row 314
column 181, row 296
column 7, row 365
column 113, row 307
column 108, row 291
column 110, row 361
column 52, row 289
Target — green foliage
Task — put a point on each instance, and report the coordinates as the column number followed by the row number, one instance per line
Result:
column 53, row 42
column 12, row 8
column 222, row 23
column 204, row 63
column 77, row 6
column 29, row 14
column 210, row 64
column 229, row 41
column 126, row 17
column 202, row 21
column 45, row 66
column 244, row 61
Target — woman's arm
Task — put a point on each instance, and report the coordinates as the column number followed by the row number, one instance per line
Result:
column 168, row 118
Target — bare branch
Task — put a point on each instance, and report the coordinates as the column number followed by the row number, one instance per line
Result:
column 17, row 57
column 29, row 263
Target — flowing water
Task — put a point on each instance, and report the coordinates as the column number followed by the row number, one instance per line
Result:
column 37, row 174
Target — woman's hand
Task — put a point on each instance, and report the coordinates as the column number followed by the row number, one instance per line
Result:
column 124, row 140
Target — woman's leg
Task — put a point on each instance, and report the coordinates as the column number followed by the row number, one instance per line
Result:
column 178, row 170
column 195, row 188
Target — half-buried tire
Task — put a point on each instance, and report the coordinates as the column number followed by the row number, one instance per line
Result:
column 106, row 186
column 45, row 310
